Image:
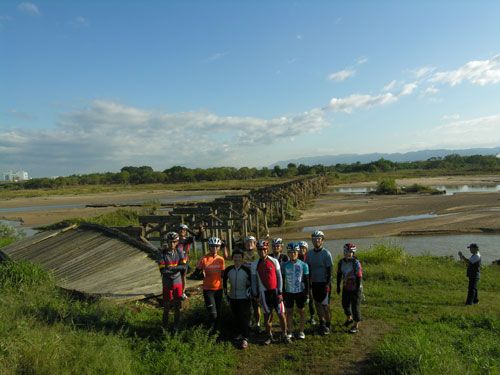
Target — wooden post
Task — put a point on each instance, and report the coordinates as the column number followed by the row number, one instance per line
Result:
column 257, row 229
column 229, row 240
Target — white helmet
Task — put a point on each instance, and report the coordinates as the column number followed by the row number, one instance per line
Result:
column 277, row 241
column 318, row 234
column 214, row 241
column 250, row 238
column 183, row 226
column 303, row 244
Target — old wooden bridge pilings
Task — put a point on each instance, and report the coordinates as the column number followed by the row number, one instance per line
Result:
column 234, row 217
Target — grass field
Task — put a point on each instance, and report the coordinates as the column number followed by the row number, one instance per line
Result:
column 414, row 322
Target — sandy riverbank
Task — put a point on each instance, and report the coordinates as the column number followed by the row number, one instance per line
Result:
column 458, row 213
column 37, row 217
column 470, row 212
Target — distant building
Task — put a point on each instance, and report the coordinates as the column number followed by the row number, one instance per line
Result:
column 16, row 176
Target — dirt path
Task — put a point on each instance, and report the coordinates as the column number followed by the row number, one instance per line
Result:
column 339, row 353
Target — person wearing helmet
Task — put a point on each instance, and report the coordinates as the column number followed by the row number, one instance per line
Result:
column 473, row 272
column 172, row 263
column 320, row 265
column 303, row 248
column 211, row 267
column 295, row 275
column 249, row 257
column 349, row 269
column 184, row 244
column 267, row 281
column 277, row 249
column 239, row 295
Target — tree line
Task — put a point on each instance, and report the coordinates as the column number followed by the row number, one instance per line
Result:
column 178, row 174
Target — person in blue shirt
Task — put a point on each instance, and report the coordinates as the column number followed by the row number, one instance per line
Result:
column 296, row 291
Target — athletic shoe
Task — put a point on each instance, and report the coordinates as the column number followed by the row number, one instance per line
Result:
column 348, row 322
column 244, row 344
column 289, row 335
column 287, row 339
column 312, row 321
column 257, row 328
column 301, row 335
column 269, row 340
column 326, row 331
column 353, row 330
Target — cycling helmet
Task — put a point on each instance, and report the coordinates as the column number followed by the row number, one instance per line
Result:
column 214, row 241
column 303, row 244
column 250, row 238
column 350, row 247
column 277, row 241
column 318, row 234
column 292, row 247
column 172, row 236
column 183, row 226
column 263, row 244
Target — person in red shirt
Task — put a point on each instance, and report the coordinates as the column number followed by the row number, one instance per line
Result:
column 211, row 267
column 268, row 283
column 172, row 264
column 184, row 244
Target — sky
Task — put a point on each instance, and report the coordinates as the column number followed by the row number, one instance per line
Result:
column 92, row 86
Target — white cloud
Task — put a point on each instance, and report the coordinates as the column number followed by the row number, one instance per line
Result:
column 112, row 134
column 390, row 86
column 481, row 73
column 79, row 22
column 28, row 7
column 419, row 73
column 351, row 102
column 431, row 90
column 407, row 89
column 342, row 75
column 216, row 56
column 21, row 115
column 362, row 61
column 300, row 36
column 479, row 132
column 454, row 116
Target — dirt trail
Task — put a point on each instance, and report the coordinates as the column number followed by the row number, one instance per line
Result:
column 339, row 353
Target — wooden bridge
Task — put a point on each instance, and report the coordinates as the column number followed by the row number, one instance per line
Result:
column 121, row 262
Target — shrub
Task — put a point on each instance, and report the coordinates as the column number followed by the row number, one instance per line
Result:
column 387, row 186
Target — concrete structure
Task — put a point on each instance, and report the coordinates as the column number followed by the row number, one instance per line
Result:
column 16, row 176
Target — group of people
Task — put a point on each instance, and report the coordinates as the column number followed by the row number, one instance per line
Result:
column 264, row 281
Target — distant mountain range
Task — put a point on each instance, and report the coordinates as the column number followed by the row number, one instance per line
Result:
column 396, row 157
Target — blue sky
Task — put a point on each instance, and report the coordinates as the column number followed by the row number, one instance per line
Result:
column 92, row 86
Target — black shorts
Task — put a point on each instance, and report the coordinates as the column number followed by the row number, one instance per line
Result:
column 298, row 298
column 321, row 293
column 269, row 301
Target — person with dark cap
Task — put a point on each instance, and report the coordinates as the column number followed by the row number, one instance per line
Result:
column 473, row 272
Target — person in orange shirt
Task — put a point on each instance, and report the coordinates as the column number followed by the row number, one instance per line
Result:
column 211, row 267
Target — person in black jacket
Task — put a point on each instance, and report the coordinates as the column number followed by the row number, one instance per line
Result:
column 349, row 268
column 473, row 272
column 239, row 296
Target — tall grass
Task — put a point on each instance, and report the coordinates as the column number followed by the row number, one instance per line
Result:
column 48, row 331
column 451, row 344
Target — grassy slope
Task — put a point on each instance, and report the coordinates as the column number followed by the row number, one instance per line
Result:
column 418, row 299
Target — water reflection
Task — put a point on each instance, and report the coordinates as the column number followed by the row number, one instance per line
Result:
column 442, row 245
column 81, row 205
column 389, row 220
column 450, row 189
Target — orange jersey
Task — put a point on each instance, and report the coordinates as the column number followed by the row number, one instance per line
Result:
column 212, row 267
